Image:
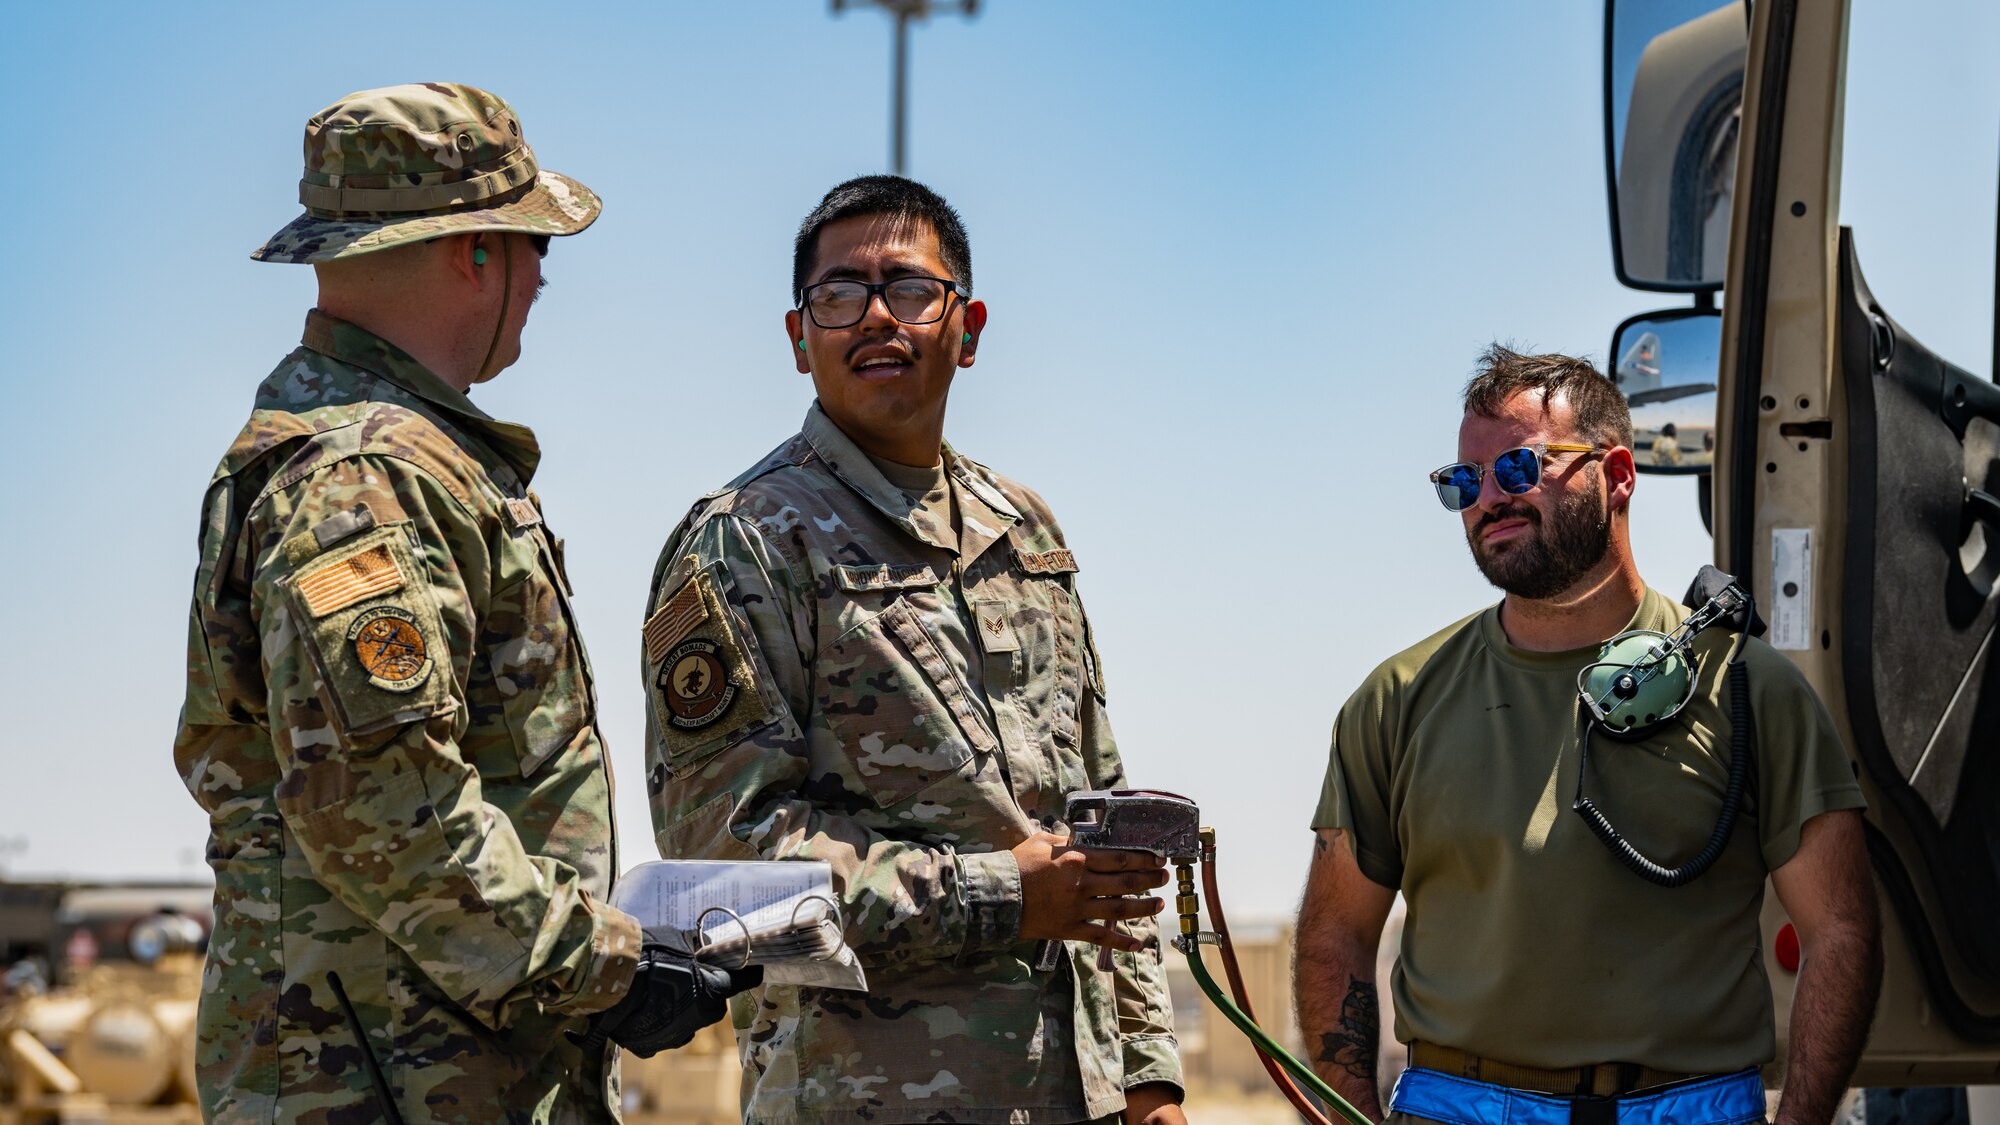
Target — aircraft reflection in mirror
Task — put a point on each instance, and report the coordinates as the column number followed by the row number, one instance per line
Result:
column 1669, row 436
column 1639, row 369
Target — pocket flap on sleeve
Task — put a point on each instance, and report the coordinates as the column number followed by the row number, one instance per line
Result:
column 706, row 688
column 372, row 626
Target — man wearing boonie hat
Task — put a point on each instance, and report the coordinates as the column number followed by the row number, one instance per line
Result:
column 390, row 718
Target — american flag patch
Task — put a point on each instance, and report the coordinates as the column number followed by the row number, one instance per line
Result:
column 675, row 620
column 353, row 578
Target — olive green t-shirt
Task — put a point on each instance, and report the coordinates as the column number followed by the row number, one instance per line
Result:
column 1454, row 766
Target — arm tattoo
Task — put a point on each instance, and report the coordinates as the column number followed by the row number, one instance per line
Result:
column 1353, row 1046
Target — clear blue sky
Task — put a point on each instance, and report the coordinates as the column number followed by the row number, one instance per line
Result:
column 1239, row 260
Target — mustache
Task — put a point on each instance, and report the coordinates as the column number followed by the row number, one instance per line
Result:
column 915, row 353
column 1510, row 512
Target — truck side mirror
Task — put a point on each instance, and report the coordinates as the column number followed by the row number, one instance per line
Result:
column 1673, row 97
column 1666, row 364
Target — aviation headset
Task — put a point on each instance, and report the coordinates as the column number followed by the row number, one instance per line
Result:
column 1639, row 682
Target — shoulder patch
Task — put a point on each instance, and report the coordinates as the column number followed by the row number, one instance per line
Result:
column 703, row 681
column 694, row 685
column 368, row 620
column 390, row 648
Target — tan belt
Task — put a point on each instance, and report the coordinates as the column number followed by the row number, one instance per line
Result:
column 1604, row 1080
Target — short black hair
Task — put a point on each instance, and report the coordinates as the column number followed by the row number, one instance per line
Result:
column 894, row 196
column 1599, row 407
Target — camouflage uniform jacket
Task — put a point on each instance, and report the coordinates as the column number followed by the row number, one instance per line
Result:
column 391, row 724
column 818, row 689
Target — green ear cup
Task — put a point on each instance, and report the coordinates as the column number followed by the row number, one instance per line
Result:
column 1630, row 688
column 479, row 257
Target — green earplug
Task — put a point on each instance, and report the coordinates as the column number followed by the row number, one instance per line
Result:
column 479, row 257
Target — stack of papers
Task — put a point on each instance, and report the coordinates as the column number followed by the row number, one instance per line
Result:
column 779, row 914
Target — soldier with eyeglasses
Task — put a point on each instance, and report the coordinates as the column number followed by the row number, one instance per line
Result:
column 1539, row 981
column 869, row 649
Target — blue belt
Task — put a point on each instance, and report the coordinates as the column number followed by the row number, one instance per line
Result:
column 1729, row 1100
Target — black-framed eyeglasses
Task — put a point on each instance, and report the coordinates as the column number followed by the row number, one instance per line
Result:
column 912, row 300
column 1516, row 471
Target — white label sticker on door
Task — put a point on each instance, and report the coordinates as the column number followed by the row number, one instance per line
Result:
column 1791, row 587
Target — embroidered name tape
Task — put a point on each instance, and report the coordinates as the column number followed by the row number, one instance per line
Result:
column 885, row 576
column 339, row 584
column 1059, row 561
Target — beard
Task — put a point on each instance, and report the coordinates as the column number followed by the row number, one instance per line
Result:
column 1548, row 559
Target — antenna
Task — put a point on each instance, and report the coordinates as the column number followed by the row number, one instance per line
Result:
column 903, row 12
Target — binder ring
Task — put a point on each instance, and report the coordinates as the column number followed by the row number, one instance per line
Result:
column 832, row 912
column 703, row 917
column 832, row 908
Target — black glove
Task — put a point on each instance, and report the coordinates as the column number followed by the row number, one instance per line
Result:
column 672, row 997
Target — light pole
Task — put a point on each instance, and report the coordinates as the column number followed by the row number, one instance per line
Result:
column 903, row 12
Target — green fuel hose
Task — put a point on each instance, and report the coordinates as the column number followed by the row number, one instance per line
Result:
column 1264, row 1042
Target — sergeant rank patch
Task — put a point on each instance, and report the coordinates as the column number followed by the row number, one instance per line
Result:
column 390, row 648
column 695, row 684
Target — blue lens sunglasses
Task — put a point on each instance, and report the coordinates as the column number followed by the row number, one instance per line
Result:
column 1516, row 471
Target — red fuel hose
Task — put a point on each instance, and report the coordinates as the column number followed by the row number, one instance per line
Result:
column 1304, row 1105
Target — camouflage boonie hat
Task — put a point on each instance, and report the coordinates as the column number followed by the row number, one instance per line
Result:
column 405, row 163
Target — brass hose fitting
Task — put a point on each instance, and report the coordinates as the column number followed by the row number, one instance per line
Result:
column 1185, row 901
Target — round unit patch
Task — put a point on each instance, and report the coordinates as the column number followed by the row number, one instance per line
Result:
column 695, row 684
column 390, row 648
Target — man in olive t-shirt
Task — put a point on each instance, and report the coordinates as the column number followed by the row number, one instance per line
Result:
column 1535, row 968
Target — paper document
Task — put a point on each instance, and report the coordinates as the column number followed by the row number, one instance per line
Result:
column 779, row 914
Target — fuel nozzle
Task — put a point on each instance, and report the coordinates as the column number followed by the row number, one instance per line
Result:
column 1138, row 820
